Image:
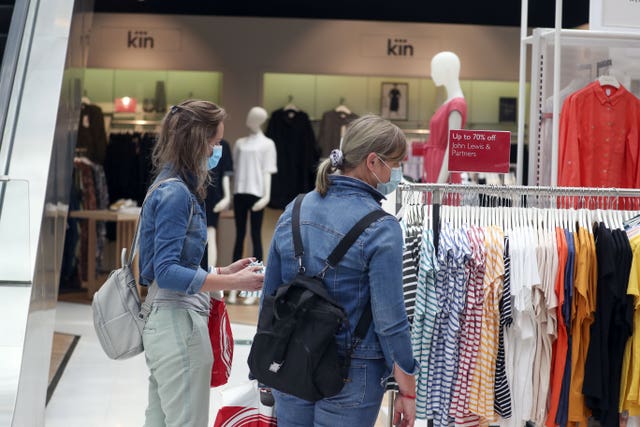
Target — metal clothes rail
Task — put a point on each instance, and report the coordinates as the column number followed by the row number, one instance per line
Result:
column 514, row 196
column 514, row 191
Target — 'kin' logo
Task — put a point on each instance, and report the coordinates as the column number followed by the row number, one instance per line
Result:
column 139, row 40
column 399, row 47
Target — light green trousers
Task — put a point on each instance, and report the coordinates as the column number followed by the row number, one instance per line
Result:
column 179, row 357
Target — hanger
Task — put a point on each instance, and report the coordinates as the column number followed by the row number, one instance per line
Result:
column 290, row 105
column 608, row 80
column 341, row 108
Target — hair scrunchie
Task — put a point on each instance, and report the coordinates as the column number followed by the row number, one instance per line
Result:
column 336, row 157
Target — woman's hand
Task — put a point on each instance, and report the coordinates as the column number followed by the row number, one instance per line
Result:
column 237, row 266
column 249, row 278
column 404, row 411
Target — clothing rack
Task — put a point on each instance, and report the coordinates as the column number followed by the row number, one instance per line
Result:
column 514, row 196
column 436, row 195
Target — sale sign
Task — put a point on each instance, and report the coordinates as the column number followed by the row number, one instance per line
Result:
column 479, row 151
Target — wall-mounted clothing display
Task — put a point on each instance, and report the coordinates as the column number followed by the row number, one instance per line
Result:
column 331, row 130
column 436, row 146
column 297, row 155
column 128, row 165
column 599, row 144
column 92, row 136
column 89, row 191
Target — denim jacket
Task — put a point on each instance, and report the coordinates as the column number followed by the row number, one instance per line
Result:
column 169, row 252
column 371, row 270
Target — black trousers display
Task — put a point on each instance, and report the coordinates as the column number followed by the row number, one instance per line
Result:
column 241, row 207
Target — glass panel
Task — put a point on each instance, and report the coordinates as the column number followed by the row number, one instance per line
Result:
column 15, row 254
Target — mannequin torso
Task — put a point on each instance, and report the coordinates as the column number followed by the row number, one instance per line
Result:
column 445, row 70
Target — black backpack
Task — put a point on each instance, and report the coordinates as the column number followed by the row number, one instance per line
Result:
column 295, row 349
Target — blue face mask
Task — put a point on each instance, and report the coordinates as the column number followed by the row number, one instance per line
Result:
column 215, row 157
column 387, row 188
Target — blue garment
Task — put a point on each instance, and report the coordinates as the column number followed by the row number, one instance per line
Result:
column 357, row 404
column 371, row 270
column 562, row 415
column 453, row 255
column 169, row 252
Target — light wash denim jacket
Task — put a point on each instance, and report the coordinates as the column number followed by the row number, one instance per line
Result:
column 168, row 251
column 370, row 270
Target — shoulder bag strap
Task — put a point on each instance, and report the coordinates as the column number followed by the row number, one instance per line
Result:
column 134, row 242
column 145, row 309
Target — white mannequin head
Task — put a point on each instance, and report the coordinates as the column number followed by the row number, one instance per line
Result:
column 445, row 71
column 445, row 67
column 255, row 119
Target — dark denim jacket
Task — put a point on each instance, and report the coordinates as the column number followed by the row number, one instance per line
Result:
column 370, row 271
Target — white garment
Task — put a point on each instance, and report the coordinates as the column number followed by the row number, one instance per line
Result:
column 253, row 156
column 520, row 338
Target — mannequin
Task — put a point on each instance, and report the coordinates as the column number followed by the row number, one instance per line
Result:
column 255, row 162
column 445, row 71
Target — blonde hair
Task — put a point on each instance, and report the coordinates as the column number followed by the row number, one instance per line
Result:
column 367, row 134
column 183, row 143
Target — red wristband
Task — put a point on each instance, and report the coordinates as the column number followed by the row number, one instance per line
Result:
column 407, row 396
column 218, row 270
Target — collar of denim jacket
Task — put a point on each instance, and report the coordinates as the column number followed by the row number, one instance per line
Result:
column 341, row 181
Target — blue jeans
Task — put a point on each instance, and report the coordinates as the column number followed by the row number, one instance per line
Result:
column 357, row 404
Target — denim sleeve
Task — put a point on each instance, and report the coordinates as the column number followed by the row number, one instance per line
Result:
column 384, row 247
column 273, row 273
column 172, row 211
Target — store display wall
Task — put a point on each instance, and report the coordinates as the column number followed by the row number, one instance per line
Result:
column 261, row 61
column 244, row 49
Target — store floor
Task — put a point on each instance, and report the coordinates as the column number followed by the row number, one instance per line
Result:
column 96, row 391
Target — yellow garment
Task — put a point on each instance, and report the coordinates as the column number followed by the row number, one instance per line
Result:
column 582, row 317
column 630, row 381
column 481, row 386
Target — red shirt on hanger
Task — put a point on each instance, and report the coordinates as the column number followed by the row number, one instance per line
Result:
column 598, row 144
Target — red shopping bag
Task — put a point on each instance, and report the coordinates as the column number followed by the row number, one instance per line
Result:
column 242, row 407
column 221, row 342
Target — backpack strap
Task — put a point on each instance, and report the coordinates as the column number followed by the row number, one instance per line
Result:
column 298, row 249
column 367, row 316
column 352, row 235
column 336, row 255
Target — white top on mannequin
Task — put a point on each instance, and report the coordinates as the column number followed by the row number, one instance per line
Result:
column 255, row 160
column 445, row 71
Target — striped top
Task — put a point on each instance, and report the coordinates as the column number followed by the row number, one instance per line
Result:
column 470, row 332
column 424, row 317
column 481, row 387
column 410, row 261
column 453, row 253
column 502, row 401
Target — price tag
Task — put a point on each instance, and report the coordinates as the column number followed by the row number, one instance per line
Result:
column 479, row 151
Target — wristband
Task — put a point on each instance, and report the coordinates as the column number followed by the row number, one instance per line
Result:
column 407, row 396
